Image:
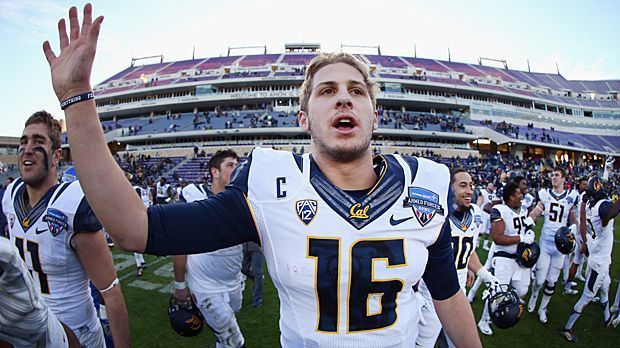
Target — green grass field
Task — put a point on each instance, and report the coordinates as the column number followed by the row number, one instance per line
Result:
column 147, row 302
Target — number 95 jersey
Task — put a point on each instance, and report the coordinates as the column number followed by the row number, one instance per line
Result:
column 43, row 235
column 344, row 263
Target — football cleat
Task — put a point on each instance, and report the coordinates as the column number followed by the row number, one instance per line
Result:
column 569, row 291
column 531, row 305
column 616, row 319
column 612, row 318
column 542, row 316
column 485, row 327
column 569, row 336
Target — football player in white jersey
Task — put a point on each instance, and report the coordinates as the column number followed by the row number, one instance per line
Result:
column 487, row 195
column 558, row 206
column 526, row 204
column 597, row 223
column 60, row 239
column 25, row 320
column 214, row 278
column 345, row 237
column 465, row 224
column 509, row 227
column 147, row 199
column 163, row 191
column 577, row 257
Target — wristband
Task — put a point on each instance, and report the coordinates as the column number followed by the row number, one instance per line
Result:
column 179, row 285
column 76, row 99
column 110, row 287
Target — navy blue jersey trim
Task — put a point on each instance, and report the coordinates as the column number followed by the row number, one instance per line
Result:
column 62, row 189
column 413, row 166
column 384, row 194
column 85, row 219
column 299, row 161
column 557, row 198
column 15, row 186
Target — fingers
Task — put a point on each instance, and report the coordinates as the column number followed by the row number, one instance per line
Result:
column 74, row 24
column 62, row 34
column 95, row 27
column 88, row 19
column 49, row 54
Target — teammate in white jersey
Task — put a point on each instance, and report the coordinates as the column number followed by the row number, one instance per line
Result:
column 60, row 239
column 597, row 222
column 25, row 320
column 465, row 224
column 163, row 192
column 577, row 257
column 214, row 278
column 558, row 206
column 147, row 199
column 509, row 227
column 344, row 240
column 487, row 195
column 526, row 203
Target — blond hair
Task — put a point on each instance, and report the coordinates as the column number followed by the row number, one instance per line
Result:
column 324, row 59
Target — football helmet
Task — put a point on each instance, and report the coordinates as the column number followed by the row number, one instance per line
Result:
column 527, row 254
column 185, row 319
column 564, row 240
column 595, row 190
column 504, row 306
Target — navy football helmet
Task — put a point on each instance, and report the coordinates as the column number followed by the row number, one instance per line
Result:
column 528, row 254
column 185, row 319
column 564, row 240
column 595, row 190
column 504, row 306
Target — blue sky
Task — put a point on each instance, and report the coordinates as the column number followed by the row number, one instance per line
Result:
column 580, row 36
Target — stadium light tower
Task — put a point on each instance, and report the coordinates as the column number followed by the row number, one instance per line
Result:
column 378, row 48
column 264, row 47
column 503, row 61
column 160, row 56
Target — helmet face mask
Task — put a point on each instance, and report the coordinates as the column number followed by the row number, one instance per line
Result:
column 564, row 240
column 504, row 306
column 185, row 319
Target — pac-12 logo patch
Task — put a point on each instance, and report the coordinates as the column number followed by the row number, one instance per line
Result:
column 425, row 204
column 11, row 220
column 306, row 210
column 56, row 221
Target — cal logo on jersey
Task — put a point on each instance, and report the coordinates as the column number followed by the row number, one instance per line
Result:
column 56, row 221
column 306, row 210
column 357, row 211
column 425, row 204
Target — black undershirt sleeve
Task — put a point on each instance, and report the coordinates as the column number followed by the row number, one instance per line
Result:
column 221, row 221
column 440, row 273
column 85, row 219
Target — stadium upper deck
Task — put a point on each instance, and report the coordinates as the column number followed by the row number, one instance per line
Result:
column 137, row 99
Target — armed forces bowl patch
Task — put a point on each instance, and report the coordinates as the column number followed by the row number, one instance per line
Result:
column 57, row 221
column 306, row 210
column 425, row 204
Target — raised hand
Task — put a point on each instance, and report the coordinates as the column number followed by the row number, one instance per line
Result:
column 72, row 68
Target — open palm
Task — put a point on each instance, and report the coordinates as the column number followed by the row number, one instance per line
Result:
column 72, row 68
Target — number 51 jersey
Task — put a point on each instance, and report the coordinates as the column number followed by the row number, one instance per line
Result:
column 345, row 264
column 43, row 237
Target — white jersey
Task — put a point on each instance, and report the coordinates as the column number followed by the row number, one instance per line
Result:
column 162, row 190
column 464, row 232
column 600, row 239
column 557, row 208
column 344, row 266
column 43, row 237
column 526, row 202
column 217, row 271
column 514, row 225
column 144, row 195
column 25, row 321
